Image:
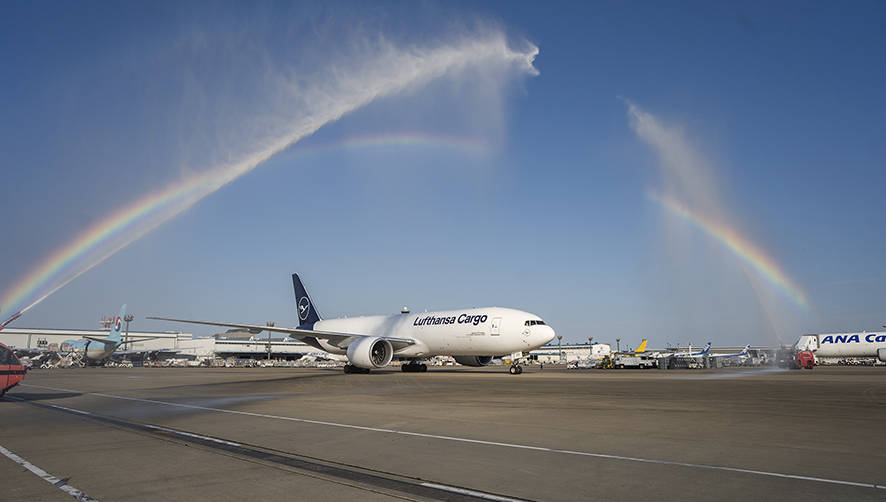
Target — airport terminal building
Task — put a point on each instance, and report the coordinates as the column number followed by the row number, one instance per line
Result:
column 245, row 348
column 552, row 353
column 52, row 339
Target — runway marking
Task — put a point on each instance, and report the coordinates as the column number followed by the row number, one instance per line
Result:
column 488, row 443
column 49, row 478
column 346, row 475
column 149, row 426
column 191, row 434
column 471, row 493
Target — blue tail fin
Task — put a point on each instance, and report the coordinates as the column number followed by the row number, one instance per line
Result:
column 117, row 326
column 706, row 349
column 307, row 313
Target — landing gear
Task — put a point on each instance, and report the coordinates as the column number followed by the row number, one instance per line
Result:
column 515, row 369
column 414, row 367
column 350, row 368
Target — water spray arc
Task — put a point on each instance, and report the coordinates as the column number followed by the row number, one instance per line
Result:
column 394, row 71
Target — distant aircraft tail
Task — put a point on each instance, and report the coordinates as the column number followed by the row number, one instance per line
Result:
column 117, row 326
column 642, row 348
column 744, row 351
column 706, row 349
column 307, row 314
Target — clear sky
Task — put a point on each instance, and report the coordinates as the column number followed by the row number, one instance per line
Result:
column 683, row 172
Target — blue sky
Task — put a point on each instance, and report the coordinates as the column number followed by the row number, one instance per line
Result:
column 781, row 107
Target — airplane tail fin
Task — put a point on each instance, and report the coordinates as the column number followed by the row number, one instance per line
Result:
column 706, row 349
column 117, row 326
column 642, row 348
column 307, row 314
column 746, row 349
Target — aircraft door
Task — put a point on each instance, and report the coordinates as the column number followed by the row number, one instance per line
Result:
column 496, row 326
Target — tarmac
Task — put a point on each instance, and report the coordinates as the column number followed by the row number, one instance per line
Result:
column 448, row 434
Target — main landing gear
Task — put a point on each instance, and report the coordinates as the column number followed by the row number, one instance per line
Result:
column 350, row 368
column 515, row 369
column 414, row 367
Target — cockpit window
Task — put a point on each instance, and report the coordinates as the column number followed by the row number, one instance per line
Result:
column 534, row 323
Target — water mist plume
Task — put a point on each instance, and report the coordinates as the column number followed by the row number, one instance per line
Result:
column 346, row 88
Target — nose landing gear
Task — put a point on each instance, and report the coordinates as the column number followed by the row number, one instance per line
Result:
column 515, row 369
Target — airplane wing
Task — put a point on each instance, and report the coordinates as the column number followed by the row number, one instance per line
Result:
column 96, row 339
column 341, row 340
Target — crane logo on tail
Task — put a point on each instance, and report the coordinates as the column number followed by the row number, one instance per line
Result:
column 304, row 307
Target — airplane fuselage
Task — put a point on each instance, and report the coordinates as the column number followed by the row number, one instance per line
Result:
column 97, row 351
column 491, row 331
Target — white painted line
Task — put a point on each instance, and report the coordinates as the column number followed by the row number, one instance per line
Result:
column 156, row 427
column 49, row 478
column 488, row 443
column 472, row 493
column 190, row 434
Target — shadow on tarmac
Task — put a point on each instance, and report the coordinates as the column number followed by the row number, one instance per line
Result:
column 27, row 396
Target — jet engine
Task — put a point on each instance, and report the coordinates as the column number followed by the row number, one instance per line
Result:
column 473, row 360
column 370, row 352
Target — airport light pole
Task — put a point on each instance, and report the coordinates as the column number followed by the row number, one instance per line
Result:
column 127, row 318
column 590, row 349
column 559, row 350
column 269, row 324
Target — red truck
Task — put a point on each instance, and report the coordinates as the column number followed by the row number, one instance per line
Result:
column 796, row 359
column 804, row 359
column 11, row 369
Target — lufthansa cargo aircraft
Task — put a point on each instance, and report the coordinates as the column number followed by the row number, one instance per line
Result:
column 472, row 336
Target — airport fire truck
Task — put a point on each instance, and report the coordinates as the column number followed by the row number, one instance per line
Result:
column 11, row 369
column 789, row 357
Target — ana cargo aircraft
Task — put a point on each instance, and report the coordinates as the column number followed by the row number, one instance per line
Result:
column 97, row 349
column 472, row 336
column 846, row 345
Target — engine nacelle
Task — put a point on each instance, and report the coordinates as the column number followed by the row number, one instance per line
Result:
column 370, row 352
column 881, row 355
column 473, row 360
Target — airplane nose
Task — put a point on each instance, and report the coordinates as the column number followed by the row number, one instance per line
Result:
column 547, row 335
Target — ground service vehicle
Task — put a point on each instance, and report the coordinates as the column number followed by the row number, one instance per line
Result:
column 11, row 369
column 642, row 362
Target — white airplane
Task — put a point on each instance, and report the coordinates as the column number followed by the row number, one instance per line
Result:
column 472, row 336
column 742, row 354
column 700, row 353
column 866, row 344
column 96, row 349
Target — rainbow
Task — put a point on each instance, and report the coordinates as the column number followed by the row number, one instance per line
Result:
column 738, row 245
column 116, row 231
